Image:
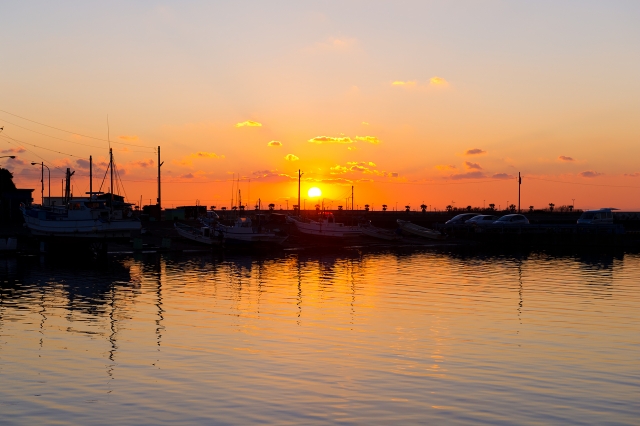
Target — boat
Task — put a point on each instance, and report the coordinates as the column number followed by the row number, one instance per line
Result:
column 412, row 228
column 80, row 218
column 382, row 234
column 8, row 245
column 326, row 227
column 202, row 235
column 243, row 231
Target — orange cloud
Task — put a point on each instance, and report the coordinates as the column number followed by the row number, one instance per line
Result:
column 202, row 154
column 474, row 151
column 636, row 174
column 274, row 143
column 144, row 164
column 370, row 139
column 330, row 140
column 438, row 81
column 364, row 123
column 128, row 138
column 446, row 167
column 472, row 166
column 502, row 176
column 13, row 150
column 291, row 157
column 249, row 123
column 590, row 174
column 468, row 175
column 565, row 158
column 403, row 83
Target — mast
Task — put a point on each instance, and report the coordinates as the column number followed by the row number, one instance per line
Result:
column 519, row 185
column 90, row 177
column 299, row 206
column 159, row 200
column 111, row 170
column 351, row 197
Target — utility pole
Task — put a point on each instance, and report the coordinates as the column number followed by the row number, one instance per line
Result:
column 90, row 178
column 519, row 185
column 159, row 183
column 299, row 206
column 111, row 167
column 352, row 197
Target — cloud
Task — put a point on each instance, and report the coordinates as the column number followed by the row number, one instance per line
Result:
column 17, row 161
column 393, row 174
column 403, row 83
column 565, row 158
column 352, row 148
column 187, row 176
column 474, row 151
column 590, row 174
column 338, row 169
column 468, row 175
column 144, row 164
column 361, row 163
column 249, row 123
column 335, row 44
column 364, row 123
column 636, row 174
column 446, row 167
column 128, row 138
column 502, row 176
column 291, row 157
column 274, row 143
column 13, row 150
column 370, row 139
column 203, row 154
column 438, row 81
column 472, row 166
column 82, row 163
column 330, row 140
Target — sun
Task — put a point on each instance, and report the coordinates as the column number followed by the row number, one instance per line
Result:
column 314, row 192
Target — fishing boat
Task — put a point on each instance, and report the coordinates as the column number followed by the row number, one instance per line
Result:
column 326, row 227
column 382, row 234
column 412, row 228
column 243, row 231
column 202, row 235
column 103, row 216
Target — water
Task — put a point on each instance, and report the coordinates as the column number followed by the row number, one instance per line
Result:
column 377, row 338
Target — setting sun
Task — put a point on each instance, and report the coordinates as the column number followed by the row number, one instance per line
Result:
column 314, row 192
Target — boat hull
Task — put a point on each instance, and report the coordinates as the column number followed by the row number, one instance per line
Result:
column 81, row 228
column 413, row 229
column 331, row 230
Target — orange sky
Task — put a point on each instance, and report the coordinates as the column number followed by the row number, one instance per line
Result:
column 429, row 102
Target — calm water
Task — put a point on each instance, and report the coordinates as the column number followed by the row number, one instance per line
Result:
column 425, row 337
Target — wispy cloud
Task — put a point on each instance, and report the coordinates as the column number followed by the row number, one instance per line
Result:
column 291, row 157
column 472, row 166
column 468, row 175
column 474, row 151
column 130, row 138
column 364, row 123
column 371, row 139
column 590, row 174
column 438, row 81
column 249, row 123
column 565, row 158
column 636, row 174
column 331, row 140
column 144, row 164
column 352, row 148
column 13, row 150
column 402, row 83
column 187, row 176
column 274, row 143
column 335, row 44
column 502, row 176
column 444, row 167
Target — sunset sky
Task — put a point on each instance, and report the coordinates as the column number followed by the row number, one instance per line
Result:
column 408, row 101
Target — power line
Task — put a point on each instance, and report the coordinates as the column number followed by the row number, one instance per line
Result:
column 65, row 140
column 73, row 133
column 36, row 146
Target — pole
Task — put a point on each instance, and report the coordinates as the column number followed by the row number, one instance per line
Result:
column 519, row 184
column 111, row 169
column 299, row 206
column 352, row 197
column 42, row 181
column 90, row 177
column 159, row 200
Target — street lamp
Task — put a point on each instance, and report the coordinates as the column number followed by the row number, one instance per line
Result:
column 42, row 166
column 8, row 156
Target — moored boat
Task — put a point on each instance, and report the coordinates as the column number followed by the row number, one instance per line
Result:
column 243, row 231
column 420, row 231
column 327, row 227
column 382, row 234
column 202, row 235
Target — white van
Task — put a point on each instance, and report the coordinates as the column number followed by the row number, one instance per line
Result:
column 592, row 217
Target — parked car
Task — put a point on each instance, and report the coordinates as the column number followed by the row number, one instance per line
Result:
column 460, row 219
column 482, row 220
column 593, row 217
column 512, row 220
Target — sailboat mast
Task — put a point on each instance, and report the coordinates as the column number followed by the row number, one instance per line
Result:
column 90, row 177
column 111, row 169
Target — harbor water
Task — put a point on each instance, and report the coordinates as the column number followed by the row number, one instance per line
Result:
column 436, row 337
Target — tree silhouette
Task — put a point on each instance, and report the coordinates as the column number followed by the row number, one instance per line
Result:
column 530, row 209
column 272, row 206
column 6, row 181
column 339, row 207
column 449, row 208
column 366, row 207
column 512, row 207
column 423, row 207
column 492, row 206
column 384, row 207
column 407, row 209
column 551, row 206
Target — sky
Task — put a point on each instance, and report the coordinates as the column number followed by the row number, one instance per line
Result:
column 409, row 102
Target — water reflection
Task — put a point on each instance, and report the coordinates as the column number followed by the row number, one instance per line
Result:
column 356, row 338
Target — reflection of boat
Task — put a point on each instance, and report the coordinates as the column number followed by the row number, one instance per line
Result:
column 412, row 228
column 326, row 227
column 382, row 234
column 245, row 232
column 80, row 218
column 200, row 235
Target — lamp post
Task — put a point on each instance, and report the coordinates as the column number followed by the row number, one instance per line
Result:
column 8, row 156
column 42, row 166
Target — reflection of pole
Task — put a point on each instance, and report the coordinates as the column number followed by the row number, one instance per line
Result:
column 299, row 206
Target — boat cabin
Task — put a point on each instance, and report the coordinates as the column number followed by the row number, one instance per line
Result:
column 592, row 217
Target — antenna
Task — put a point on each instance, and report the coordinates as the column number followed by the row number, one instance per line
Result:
column 108, row 134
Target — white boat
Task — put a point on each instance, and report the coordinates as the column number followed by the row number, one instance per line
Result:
column 8, row 244
column 202, row 235
column 379, row 233
column 412, row 228
column 80, row 218
column 327, row 227
column 244, row 231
